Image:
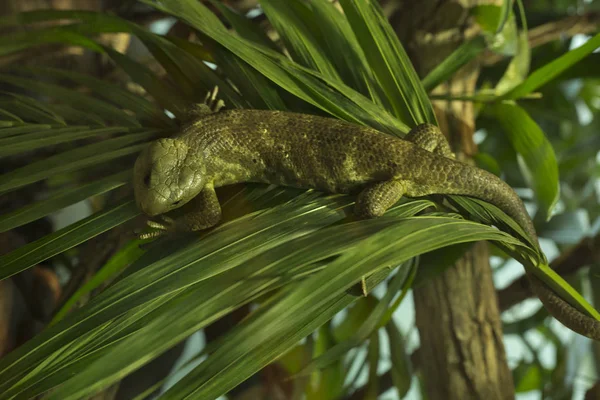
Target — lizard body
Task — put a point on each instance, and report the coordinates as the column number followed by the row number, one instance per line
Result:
column 312, row 152
column 308, row 151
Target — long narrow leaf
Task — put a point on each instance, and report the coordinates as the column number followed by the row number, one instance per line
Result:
column 389, row 62
column 71, row 160
column 60, row 200
column 31, row 110
column 64, row 239
column 116, row 264
column 459, row 57
column 306, row 84
column 144, row 109
column 23, row 128
column 254, row 344
column 164, row 93
column 33, row 141
column 530, row 142
column 218, row 252
column 290, row 19
column 553, row 69
column 73, row 98
column 343, row 48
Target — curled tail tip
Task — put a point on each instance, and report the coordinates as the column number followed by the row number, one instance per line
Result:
column 564, row 312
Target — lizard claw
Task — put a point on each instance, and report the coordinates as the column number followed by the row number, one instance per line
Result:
column 212, row 102
column 167, row 225
column 150, row 235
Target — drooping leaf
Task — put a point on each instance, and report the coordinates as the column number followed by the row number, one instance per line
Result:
column 401, row 368
column 545, row 74
column 143, row 108
column 532, row 145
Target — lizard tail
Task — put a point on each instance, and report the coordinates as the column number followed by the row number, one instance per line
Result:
column 474, row 182
column 564, row 312
column 466, row 180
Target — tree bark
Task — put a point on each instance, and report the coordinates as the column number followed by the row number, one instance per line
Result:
column 462, row 353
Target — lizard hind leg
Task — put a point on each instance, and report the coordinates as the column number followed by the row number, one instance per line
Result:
column 430, row 138
column 211, row 100
column 375, row 199
column 211, row 104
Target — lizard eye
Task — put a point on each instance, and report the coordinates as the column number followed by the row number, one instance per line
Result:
column 147, row 179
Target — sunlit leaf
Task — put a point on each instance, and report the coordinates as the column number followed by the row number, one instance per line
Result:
column 312, row 87
column 250, row 351
column 389, row 62
column 292, row 21
column 543, row 75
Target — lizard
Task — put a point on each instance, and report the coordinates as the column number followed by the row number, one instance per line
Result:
column 215, row 148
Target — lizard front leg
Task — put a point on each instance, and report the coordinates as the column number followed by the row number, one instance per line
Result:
column 204, row 212
column 212, row 104
column 430, row 138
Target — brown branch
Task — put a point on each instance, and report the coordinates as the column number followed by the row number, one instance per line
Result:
column 569, row 26
column 551, row 31
column 593, row 393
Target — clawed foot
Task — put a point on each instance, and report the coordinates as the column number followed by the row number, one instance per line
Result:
column 212, row 102
column 166, row 226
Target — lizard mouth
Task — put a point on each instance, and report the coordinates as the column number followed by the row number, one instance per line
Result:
column 148, row 209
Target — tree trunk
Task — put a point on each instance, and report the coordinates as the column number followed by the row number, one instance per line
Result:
column 462, row 352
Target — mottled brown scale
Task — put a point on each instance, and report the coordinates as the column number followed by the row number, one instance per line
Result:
column 335, row 156
column 325, row 154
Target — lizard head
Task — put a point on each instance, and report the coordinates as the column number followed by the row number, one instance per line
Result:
column 166, row 175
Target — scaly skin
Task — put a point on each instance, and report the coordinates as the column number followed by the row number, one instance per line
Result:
column 307, row 151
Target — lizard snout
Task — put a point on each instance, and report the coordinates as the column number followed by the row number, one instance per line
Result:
column 149, row 209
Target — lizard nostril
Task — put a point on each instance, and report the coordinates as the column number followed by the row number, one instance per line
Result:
column 147, row 180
